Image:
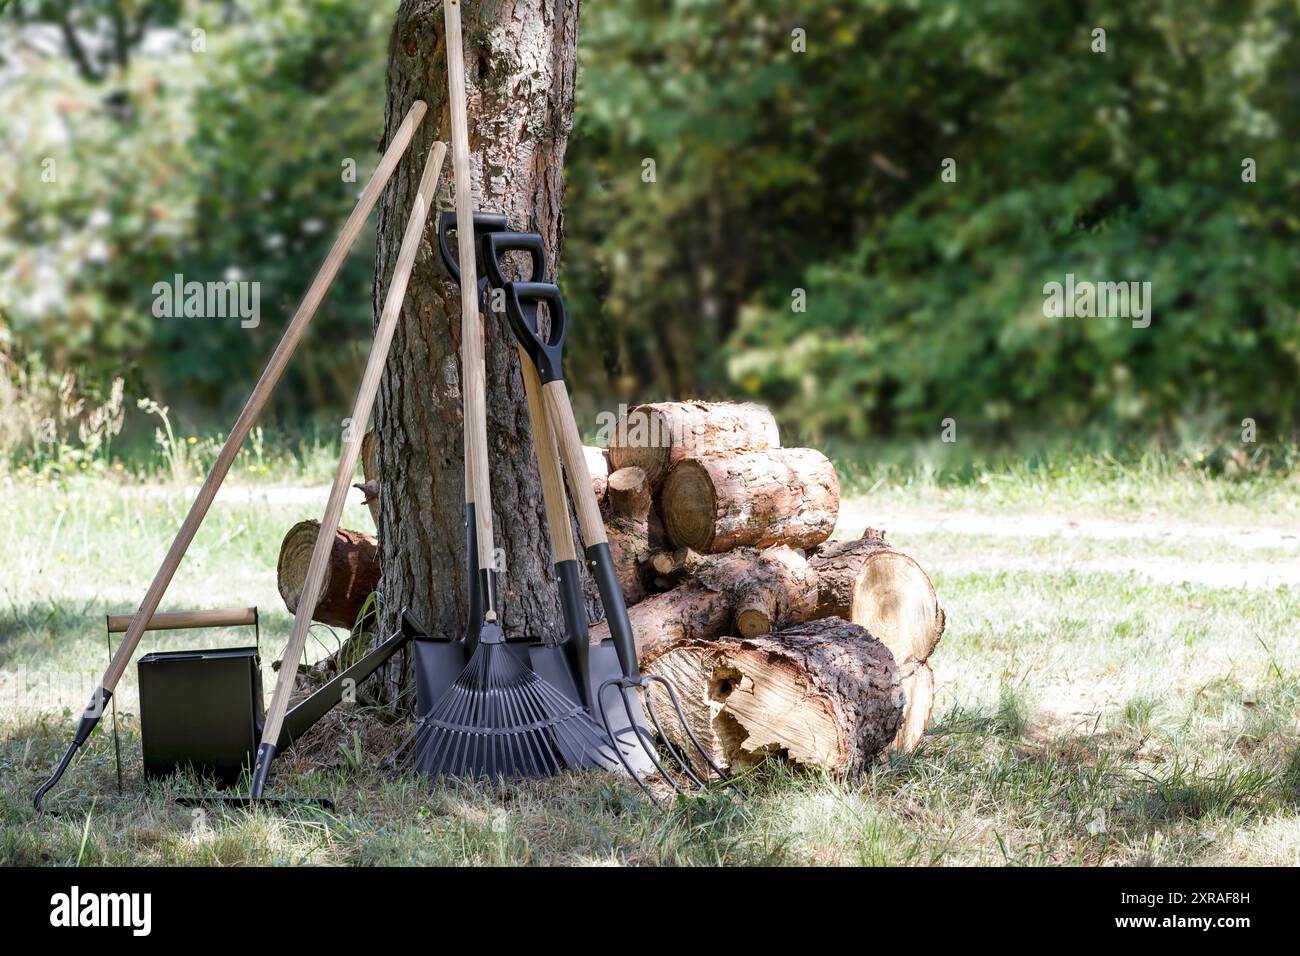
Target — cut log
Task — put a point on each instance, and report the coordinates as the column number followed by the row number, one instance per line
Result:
column 820, row 695
column 787, row 496
column 351, row 575
column 882, row 589
column 627, row 544
column 627, row 523
column 656, row 436
column 917, row 682
column 598, row 465
column 685, row 613
column 627, row 493
column 670, row 566
column 769, row 589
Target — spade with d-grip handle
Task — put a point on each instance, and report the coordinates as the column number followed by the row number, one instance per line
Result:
column 522, row 301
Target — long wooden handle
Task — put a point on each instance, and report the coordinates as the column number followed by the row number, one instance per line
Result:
column 352, row 447
column 180, row 620
column 565, row 427
column 262, row 392
column 548, row 465
column 473, row 375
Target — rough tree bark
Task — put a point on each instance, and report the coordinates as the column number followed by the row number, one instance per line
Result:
column 521, row 62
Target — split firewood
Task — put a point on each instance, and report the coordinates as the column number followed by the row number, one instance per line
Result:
column 370, row 491
column 823, row 694
column 598, row 465
column 351, row 575
column 656, row 436
column 787, row 496
column 882, row 589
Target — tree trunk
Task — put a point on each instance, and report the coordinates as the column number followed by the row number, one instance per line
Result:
column 758, row 499
column 520, row 58
column 822, row 694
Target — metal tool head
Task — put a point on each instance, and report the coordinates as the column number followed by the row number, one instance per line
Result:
column 625, row 699
column 500, row 720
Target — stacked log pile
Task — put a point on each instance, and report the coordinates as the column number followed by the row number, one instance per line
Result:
column 781, row 642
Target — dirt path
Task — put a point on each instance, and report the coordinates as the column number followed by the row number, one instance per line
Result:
column 1221, row 572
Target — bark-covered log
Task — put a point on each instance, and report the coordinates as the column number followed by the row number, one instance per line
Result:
column 769, row 589
column 656, row 436
column 882, row 589
column 351, row 575
column 627, row 523
column 917, row 681
column 627, row 493
column 683, row 613
column 787, row 496
column 823, row 694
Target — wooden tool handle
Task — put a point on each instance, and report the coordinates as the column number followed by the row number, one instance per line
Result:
column 548, row 465
column 352, row 447
column 473, row 374
column 262, row 392
column 565, row 427
column 181, row 620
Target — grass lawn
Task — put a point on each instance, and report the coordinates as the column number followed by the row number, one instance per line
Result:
column 1119, row 684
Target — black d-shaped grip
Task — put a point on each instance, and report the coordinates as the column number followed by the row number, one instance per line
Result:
column 484, row 222
column 522, row 299
column 495, row 245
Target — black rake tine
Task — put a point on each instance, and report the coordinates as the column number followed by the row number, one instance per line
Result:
column 545, row 740
column 572, row 725
column 531, row 760
column 686, row 725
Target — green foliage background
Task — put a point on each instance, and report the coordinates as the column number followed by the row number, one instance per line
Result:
column 775, row 171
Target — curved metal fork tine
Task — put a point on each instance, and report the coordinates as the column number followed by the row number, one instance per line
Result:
column 622, row 758
column 668, row 744
column 650, row 749
column 681, row 715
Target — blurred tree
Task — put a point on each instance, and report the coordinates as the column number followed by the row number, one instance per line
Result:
column 791, row 149
column 141, row 150
column 816, row 166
